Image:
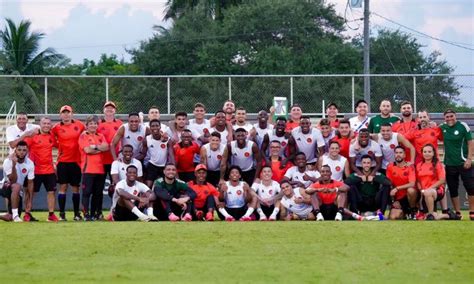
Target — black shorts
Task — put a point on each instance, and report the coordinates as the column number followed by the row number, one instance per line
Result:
column 237, row 213
column 186, row 176
column 49, row 181
column 123, row 214
column 267, row 210
column 452, row 179
column 248, row 176
column 153, row 172
column 328, row 210
column 213, row 177
column 69, row 173
column 6, row 190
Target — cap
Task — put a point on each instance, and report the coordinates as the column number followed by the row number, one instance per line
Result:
column 200, row 167
column 110, row 103
column 65, row 108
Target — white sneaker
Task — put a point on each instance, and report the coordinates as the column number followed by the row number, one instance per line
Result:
column 319, row 217
column 152, row 218
column 17, row 219
column 338, row 216
column 144, row 218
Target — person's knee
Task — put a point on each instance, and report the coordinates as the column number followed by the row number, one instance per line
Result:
column 16, row 188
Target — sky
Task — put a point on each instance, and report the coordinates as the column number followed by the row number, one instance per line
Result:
column 86, row 29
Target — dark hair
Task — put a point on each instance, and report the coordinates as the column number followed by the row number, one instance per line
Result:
column 405, row 103
column 398, row 147
column 386, row 124
column 127, row 145
column 153, row 107
column 435, row 155
column 295, row 105
column 22, row 143
column 282, row 118
column 332, row 104
column 326, row 166
column 170, row 164
column 344, row 121
column 241, row 108
column 22, row 113
column 364, row 130
column 367, row 157
column 324, row 121
column 180, row 113
column 449, row 110
column 216, row 134
column 334, row 142
column 360, row 102
column 300, row 153
column 219, row 111
column 132, row 167
column 133, row 114
column 196, row 105
column 154, row 121
column 275, row 141
column 240, row 129
column 305, row 117
column 235, row 167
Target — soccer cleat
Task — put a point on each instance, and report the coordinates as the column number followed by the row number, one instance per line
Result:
column 459, row 214
column 209, row 216
column 381, row 216
column 110, row 217
column 172, row 217
column 338, row 216
column 144, row 218
column 453, row 216
column 87, row 218
column 62, row 216
column 52, row 218
column 99, row 217
column 272, row 218
column 430, row 217
column 372, row 218
column 187, row 217
column 78, row 218
column 319, row 217
column 245, row 219
column 153, row 218
column 471, row 216
column 230, row 219
column 27, row 217
column 199, row 215
column 17, row 219
column 263, row 218
column 420, row 215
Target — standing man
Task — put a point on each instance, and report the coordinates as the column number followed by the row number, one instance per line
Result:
column 154, row 113
column 309, row 140
column 241, row 121
column 41, row 147
column 384, row 117
column 406, row 124
column 132, row 133
column 67, row 134
column 261, row 128
column 222, row 127
column 362, row 119
column 211, row 156
column 343, row 137
column 184, row 152
column 287, row 142
column 331, row 112
column 20, row 131
column 458, row 156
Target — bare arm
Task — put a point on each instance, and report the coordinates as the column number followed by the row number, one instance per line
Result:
column 113, row 145
column 203, row 155
column 402, row 140
column 225, row 157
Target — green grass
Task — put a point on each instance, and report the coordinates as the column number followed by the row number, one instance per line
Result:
column 286, row 252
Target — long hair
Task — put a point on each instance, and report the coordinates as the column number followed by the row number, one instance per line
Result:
column 434, row 161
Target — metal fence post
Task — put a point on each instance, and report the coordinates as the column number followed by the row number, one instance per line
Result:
column 414, row 93
column 230, row 88
column 168, row 81
column 107, row 89
column 45, row 95
column 353, row 94
column 291, row 91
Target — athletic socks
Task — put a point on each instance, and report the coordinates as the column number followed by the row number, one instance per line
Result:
column 275, row 213
column 62, row 202
column 224, row 213
column 260, row 212
column 149, row 211
column 137, row 212
column 76, row 198
column 356, row 216
column 340, row 210
column 14, row 212
column 249, row 212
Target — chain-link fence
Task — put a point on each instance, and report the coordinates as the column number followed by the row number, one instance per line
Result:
column 86, row 94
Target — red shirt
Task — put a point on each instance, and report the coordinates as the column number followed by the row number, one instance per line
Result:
column 422, row 137
column 91, row 163
column 108, row 129
column 400, row 176
column 202, row 192
column 184, row 157
column 290, row 125
column 278, row 174
column 404, row 128
column 427, row 175
column 334, row 123
column 345, row 143
column 41, row 152
column 327, row 198
column 67, row 138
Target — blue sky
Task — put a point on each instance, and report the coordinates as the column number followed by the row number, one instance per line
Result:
column 86, row 29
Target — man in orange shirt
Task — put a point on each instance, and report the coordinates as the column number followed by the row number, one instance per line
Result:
column 41, row 153
column 184, row 152
column 206, row 195
column 67, row 134
column 343, row 137
column 275, row 162
column 92, row 145
column 406, row 124
column 108, row 126
column 330, row 197
column 404, row 195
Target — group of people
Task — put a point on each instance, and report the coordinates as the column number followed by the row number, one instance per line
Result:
column 275, row 169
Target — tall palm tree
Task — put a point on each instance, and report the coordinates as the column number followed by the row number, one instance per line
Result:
column 20, row 54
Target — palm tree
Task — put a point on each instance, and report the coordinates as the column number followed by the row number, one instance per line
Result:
column 20, row 54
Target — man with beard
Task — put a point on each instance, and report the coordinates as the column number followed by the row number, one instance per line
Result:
column 184, row 152
column 365, row 146
column 308, row 140
column 132, row 133
column 222, row 127
column 406, row 124
column 361, row 120
column 287, row 142
column 241, row 121
column 261, row 128
column 299, row 175
column 384, row 117
column 343, row 137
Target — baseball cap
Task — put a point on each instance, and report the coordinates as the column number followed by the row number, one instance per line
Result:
column 65, row 108
column 110, row 103
column 200, row 167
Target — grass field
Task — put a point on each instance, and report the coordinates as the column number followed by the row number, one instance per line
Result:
column 219, row 252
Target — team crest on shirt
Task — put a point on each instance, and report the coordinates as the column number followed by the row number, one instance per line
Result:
column 338, row 169
column 309, row 140
column 239, row 192
column 455, row 132
column 163, row 146
column 432, row 134
column 392, row 146
column 135, row 192
column 219, row 157
column 76, row 128
column 115, row 128
column 23, row 170
column 102, row 129
column 206, row 192
column 247, row 154
column 283, row 143
column 139, row 138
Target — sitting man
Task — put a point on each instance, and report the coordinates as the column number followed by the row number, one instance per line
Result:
column 295, row 203
column 206, row 194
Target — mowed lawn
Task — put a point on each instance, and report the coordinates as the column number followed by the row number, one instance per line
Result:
column 220, row 252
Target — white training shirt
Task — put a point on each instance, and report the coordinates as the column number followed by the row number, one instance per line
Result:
column 214, row 158
column 223, row 134
column 357, row 125
column 120, row 168
column 294, row 175
column 243, row 158
column 283, row 141
column 372, row 149
column 157, row 151
column 267, row 193
column 302, row 209
column 388, row 149
column 25, row 170
column 337, row 166
column 13, row 132
column 134, row 138
column 260, row 133
column 234, row 197
column 135, row 189
column 307, row 143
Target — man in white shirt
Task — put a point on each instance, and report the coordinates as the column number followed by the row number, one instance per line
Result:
column 365, row 146
column 361, row 120
column 20, row 131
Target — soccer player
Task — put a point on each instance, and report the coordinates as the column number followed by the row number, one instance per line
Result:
column 384, row 117
column 206, row 195
column 172, row 197
column 18, row 170
column 362, row 119
column 296, row 113
column 41, row 147
column 244, row 154
column 338, row 164
column 20, row 131
column 200, row 126
column 331, row 112
column 308, row 140
column 92, row 145
column 406, row 124
column 184, row 152
column 131, row 196
column 239, row 201
column 458, row 157
column 229, row 109
column 158, row 148
column 154, row 113
column 365, row 146
column 344, row 137
column 67, row 134
column 388, row 141
column 132, row 133
column 369, row 192
column 119, row 166
column 328, row 196
column 277, row 164
column 261, row 128
column 299, row 175
column 211, row 156
column 288, row 145
column 241, row 121
column 327, row 132
column 403, row 193
column 431, row 177
column 267, row 191
column 221, row 126
column 295, row 203
column 180, row 125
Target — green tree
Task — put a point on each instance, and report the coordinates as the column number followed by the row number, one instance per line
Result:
column 213, row 8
